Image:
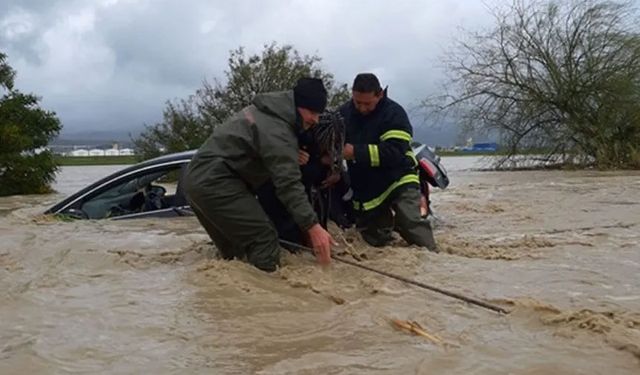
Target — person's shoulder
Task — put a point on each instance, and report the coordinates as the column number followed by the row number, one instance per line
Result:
column 267, row 123
column 392, row 105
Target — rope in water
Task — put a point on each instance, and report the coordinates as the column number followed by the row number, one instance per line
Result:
column 470, row 300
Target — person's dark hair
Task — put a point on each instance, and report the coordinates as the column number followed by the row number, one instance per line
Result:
column 367, row 82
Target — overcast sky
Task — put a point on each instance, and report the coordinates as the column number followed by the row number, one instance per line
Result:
column 112, row 64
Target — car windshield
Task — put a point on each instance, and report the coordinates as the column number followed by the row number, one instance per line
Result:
column 131, row 186
column 142, row 193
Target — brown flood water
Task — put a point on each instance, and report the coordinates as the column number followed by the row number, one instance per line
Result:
column 560, row 249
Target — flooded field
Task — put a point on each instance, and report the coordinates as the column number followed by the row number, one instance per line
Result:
column 561, row 250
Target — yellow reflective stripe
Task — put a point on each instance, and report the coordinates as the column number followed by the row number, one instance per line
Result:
column 374, row 155
column 412, row 156
column 397, row 134
column 375, row 202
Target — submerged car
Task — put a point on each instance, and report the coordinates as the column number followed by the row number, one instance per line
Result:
column 154, row 188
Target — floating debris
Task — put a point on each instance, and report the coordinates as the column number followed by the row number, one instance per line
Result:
column 415, row 328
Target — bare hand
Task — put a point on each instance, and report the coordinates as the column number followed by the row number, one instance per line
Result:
column 347, row 152
column 325, row 159
column 321, row 242
column 303, row 157
column 424, row 207
column 331, row 180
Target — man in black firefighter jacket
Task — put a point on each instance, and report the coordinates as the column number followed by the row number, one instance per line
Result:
column 382, row 167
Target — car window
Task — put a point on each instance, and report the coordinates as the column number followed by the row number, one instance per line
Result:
column 145, row 192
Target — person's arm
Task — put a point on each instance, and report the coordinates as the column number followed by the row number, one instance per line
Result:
column 392, row 146
column 278, row 150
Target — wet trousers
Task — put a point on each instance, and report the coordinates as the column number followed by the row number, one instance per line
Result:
column 400, row 212
column 235, row 220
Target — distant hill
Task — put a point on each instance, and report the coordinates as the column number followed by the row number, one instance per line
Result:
column 446, row 135
column 435, row 137
column 96, row 138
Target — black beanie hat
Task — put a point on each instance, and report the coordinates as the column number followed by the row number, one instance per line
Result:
column 310, row 93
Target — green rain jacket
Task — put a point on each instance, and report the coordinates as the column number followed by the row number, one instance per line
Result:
column 257, row 144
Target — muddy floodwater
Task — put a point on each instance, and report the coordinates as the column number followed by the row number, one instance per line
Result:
column 559, row 249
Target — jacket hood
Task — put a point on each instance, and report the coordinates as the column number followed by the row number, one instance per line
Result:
column 279, row 104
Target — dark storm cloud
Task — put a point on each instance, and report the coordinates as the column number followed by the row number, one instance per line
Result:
column 113, row 64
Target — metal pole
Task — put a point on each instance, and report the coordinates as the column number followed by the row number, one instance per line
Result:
column 470, row 300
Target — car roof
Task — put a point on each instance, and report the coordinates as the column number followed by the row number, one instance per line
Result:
column 169, row 157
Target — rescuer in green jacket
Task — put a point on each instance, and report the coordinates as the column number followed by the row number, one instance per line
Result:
column 382, row 167
column 258, row 144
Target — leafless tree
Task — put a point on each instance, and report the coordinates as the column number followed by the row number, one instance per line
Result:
column 557, row 79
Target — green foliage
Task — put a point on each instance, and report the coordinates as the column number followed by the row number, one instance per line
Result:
column 25, row 126
column 188, row 122
column 25, row 129
column 183, row 128
column 27, row 174
column 6, row 73
column 276, row 69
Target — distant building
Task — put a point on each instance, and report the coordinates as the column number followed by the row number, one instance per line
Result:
column 79, row 152
column 96, row 152
column 112, row 152
column 492, row 147
column 126, row 152
column 477, row 147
